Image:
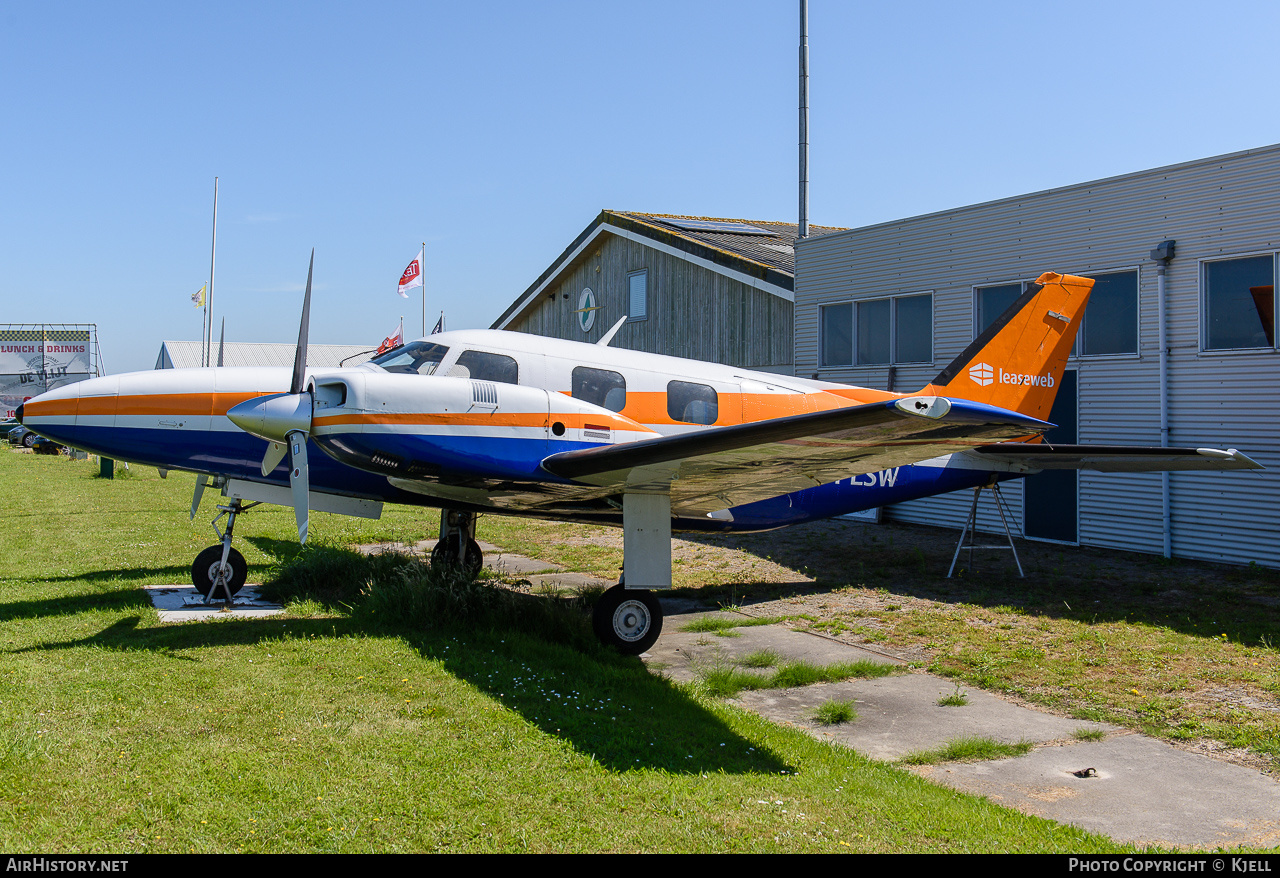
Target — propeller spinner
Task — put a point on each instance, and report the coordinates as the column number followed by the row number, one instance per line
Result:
column 284, row 420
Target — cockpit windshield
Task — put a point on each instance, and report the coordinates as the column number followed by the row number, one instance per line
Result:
column 415, row 358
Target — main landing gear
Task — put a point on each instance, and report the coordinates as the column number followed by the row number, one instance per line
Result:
column 629, row 620
column 220, row 571
column 458, row 546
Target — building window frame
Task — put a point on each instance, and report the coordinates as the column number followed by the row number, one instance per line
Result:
column 1077, row 349
column 855, row 353
column 826, row 357
column 1204, row 327
column 1077, row 345
column 643, row 276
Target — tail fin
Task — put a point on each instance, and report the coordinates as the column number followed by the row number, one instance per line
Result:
column 1017, row 362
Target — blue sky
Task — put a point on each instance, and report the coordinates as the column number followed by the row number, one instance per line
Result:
column 495, row 132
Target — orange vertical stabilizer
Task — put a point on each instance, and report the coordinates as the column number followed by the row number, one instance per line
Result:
column 1017, row 362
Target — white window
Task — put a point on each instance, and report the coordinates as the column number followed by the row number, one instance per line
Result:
column 638, row 295
column 1238, row 308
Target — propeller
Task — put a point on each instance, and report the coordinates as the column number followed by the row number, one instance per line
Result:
column 284, row 420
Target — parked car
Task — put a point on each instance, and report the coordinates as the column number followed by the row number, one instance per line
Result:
column 41, row 445
column 22, row 436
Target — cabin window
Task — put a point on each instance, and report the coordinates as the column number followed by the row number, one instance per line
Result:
column 484, row 366
column 638, row 295
column 837, row 334
column 1239, row 303
column 1110, row 323
column 415, row 358
column 692, row 403
column 600, row 387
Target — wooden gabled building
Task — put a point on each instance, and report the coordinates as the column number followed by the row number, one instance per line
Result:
column 699, row 287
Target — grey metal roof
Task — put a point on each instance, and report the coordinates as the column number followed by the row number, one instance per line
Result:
column 186, row 354
column 774, row 250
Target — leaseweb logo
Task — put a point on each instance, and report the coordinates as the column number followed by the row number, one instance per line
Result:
column 984, row 374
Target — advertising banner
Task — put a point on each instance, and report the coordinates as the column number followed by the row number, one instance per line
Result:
column 35, row 360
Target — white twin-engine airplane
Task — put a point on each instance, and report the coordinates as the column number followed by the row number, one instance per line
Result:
column 511, row 423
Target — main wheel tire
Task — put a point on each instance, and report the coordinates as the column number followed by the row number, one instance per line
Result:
column 204, row 570
column 628, row 620
column 443, row 553
column 29, row 439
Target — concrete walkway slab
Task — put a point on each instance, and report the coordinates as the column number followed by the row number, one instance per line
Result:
column 900, row 715
column 1141, row 791
column 1145, row 792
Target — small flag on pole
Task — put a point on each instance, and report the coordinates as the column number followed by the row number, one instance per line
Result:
column 197, row 298
column 394, row 340
column 439, row 324
column 412, row 276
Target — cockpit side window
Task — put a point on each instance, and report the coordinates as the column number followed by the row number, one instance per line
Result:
column 600, row 387
column 415, row 358
column 692, row 403
column 484, row 366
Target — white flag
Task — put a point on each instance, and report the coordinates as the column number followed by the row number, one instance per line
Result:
column 412, row 276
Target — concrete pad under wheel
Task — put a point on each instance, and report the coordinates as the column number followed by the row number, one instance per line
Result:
column 182, row 603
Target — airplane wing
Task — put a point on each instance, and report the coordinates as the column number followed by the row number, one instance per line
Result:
column 731, row 466
column 1115, row 458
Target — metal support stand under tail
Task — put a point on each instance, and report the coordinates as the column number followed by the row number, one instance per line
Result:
column 457, row 543
column 970, row 529
column 220, row 571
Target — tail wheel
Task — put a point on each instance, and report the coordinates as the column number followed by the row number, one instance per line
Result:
column 204, row 570
column 628, row 620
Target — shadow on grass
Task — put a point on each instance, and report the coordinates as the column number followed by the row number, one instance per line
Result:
column 122, row 599
column 606, row 706
column 1079, row 584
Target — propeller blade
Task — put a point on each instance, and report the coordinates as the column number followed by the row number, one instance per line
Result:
column 300, row 355
column 201, row 481
column 299, row 479
column 275, row 454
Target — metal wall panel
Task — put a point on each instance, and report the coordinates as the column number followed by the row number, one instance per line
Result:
column 1224, row 206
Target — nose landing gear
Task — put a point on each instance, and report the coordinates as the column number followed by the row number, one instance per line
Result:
column 220, row 571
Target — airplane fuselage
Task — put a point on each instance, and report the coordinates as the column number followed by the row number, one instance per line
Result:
column 464, row 419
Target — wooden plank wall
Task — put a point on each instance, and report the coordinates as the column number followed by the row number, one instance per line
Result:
column 692, row 312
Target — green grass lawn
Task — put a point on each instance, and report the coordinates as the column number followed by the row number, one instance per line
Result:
column 332, row 733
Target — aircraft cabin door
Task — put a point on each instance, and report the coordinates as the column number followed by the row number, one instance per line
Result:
column 1051, row 498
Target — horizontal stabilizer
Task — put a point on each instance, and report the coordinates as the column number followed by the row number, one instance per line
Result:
column 1115, row 458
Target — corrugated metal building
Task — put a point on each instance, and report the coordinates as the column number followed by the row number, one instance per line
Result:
column 698, row 287
column 187, row 354
column 891, row 304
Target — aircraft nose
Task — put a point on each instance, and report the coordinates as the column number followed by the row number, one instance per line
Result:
column 18, row 414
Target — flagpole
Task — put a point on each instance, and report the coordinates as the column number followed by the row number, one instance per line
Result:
column 423, row 268
column 208, row 302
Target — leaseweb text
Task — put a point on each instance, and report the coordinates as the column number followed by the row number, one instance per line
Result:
column 64, row 864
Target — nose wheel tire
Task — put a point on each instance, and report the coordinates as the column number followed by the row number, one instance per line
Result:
column 628, row 620
column 204, row 570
